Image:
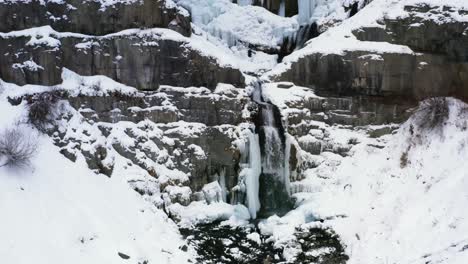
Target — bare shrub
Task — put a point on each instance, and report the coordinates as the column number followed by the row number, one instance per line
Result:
column 16, row 148
column 433, row 112
column 41, row 108
column 353, row 141
column 404, row 159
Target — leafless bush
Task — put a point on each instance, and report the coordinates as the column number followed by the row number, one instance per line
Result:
column 16, row 148
column 404, row 161
column 353, row 141
column 41, row 108
column 433, row 112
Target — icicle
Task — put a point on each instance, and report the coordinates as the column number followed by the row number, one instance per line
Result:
column 306, row 9
column 287, row 157
column 222, row 183
column 251, row 175
column 244, row 2
column 282, row 9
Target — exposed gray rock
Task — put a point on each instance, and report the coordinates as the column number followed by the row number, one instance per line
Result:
column 92, row 17
column 142, row 59
column 438, row 67
column 388, row 74
column 26, row 64
column 442, row 36
column 194, row 132
column 166, row 106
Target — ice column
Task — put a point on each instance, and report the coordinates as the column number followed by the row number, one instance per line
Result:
column 251, row 175
column 306, row 9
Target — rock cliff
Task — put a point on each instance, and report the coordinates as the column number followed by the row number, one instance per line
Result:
column 428, row 57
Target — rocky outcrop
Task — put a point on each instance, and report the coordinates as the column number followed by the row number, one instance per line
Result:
column 182, row 139
column 435, row 32
column 387, row 74
column 93, row 17
column 438, row 65
column 143, row 59
column 22, row 63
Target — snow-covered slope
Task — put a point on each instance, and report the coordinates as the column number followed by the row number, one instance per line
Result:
column 57, row 211
column 403, row 203
column 398, row 198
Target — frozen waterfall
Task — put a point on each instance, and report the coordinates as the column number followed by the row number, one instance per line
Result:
column 251, row 174
column 306, row 9
column 264, row 176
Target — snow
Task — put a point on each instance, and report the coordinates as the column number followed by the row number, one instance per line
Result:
column 29, row 65
column 201, row 212
column 62, row 212
column 213, row 192
column 281, row 96
column 255, row 237
column 97, row 85
column 110, row 3
column 39, row 36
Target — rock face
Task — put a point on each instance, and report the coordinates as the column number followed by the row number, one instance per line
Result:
column 139, row 58
column 183, row 140
column 438, row 35
column 146, row 60
column 92, row 17
column 437, row 67
column 29, row 64
column 388, row 74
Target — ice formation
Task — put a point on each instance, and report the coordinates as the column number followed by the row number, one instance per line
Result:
column 251, row 174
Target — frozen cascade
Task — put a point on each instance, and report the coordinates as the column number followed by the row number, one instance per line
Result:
column 264, row 177
column 251, row 174
column 273, row 149
column 287, row 170
column 312, row 10
column 274, row 179
column 306, row 9
column 203, row 12
column 240, row 25
column 282, row 9
column 244, row 2
column 222, row 184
